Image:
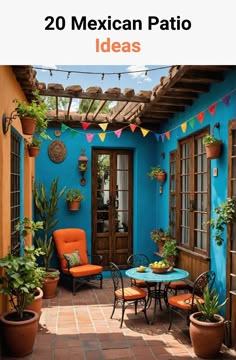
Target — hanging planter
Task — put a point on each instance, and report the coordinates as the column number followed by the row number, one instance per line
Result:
column 157, row 173
column 28, row 125
column 74, row 198
column 213, row 145
column 34, row 146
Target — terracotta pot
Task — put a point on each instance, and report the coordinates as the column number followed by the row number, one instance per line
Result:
column 33, row 151
column 213, row 151
column 160, row 245
column 73, row 205
column 36, row 305
column 206, row 337
column 28, row 125
column 161, row 176
column 19, row 336
column 50, row 286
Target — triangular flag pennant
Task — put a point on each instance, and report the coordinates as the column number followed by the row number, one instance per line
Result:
column 73, row 132
column 212, row 109
column 200, row 116
column 133, row 127
column 118, row 132
column 144, row 131
column 226, row 99
column 85, row 124
column 162, row 137
column 192, row 122
column 89, row 137
column 167, row 134
column 157, row 136
column 63, row 127
column 102, row 136
column 103, row 126
column 184, row 127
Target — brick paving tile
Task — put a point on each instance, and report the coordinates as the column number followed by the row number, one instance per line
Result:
column 79, row 328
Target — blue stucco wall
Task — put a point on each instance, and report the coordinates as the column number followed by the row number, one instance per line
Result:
column 145, row 191
column 219, row 184
column 150, row 207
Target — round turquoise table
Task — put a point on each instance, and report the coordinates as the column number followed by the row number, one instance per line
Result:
column 158, row 293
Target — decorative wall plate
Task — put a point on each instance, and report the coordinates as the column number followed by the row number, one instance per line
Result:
column 57, row 151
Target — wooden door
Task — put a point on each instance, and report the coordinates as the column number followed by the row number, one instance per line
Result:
column 112, row 205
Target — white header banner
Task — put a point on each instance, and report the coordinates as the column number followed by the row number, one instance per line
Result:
column 106, row 32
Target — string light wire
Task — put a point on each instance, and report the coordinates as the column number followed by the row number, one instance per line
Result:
column 102, row 74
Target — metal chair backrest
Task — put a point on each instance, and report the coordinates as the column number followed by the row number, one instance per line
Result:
column 117, row 277
column 136, row 260
column 207, row 278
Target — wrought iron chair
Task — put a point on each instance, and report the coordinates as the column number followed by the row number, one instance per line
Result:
column 136, row 260
column 126, row 296
column 185, row 304
column 71, row 247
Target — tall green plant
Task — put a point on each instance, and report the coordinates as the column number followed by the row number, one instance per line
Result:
column 46, row 206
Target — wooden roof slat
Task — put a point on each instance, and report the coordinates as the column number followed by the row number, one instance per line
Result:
column 99, row 108
column 90, row 106
column 69, row 106
column 119, row 110
column 96, row 96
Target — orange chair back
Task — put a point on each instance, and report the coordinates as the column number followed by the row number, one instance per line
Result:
column 67, row 241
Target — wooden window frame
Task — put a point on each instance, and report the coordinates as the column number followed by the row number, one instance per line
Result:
column 191, row 248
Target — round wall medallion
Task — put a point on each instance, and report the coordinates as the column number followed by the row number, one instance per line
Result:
column 57, row 132
column 57, row 151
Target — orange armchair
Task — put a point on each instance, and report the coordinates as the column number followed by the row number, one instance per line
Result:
column 71, row 247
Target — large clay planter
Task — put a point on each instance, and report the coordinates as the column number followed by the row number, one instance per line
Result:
column 18, row 337
column 50, row 287
column 206, row 337
column 36, row 305
column 28, row 125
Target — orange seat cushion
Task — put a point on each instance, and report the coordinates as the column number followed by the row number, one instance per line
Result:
column 184, row 301
column 84, row 270
column 178, row 284
column 131, row 293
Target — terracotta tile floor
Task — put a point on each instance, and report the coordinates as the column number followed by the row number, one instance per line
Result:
column 79, row 327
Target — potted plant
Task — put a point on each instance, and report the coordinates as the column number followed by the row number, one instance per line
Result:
column 33, row 116
column 224, row 214
column 34, row 146
column 207, row 326
column 157, row 173
column 25, row 227
column 213, row 146
column 169, row 251
column 74, row 198
column 21, row 276
column 46, row 207
column 160, row 236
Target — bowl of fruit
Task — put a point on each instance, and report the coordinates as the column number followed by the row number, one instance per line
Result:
column 159, row 267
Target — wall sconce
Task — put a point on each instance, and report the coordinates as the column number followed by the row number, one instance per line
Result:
column 7, row 121
column 83, row 166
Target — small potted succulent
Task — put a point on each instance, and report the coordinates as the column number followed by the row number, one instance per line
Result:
column 213, row 146
column 74, row 197
column 157, row 173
